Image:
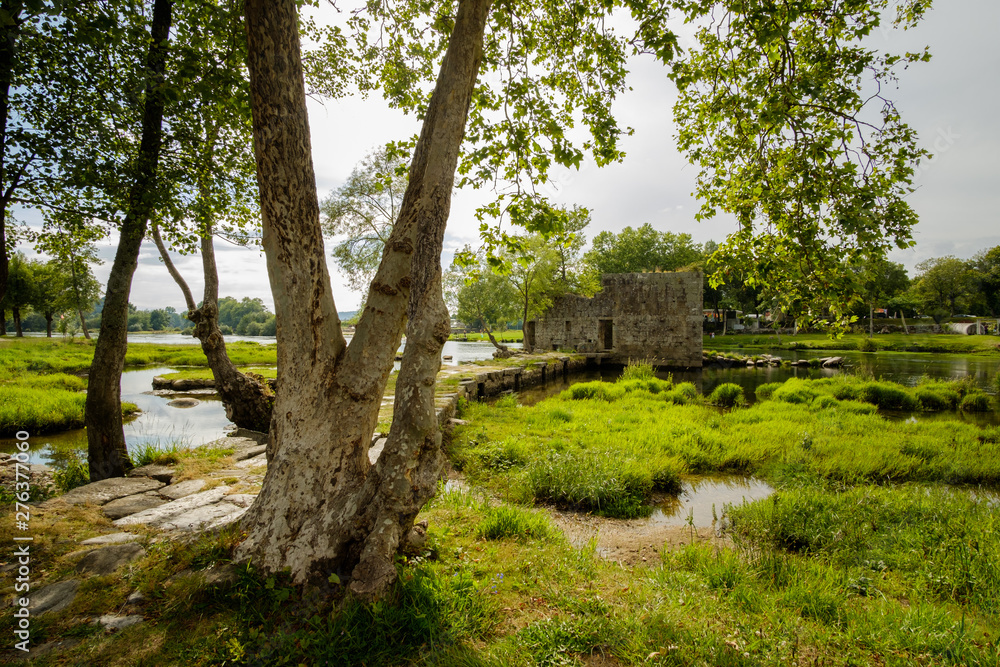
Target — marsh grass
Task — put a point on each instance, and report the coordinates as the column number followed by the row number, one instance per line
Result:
column 53, row 404
column 894, row 342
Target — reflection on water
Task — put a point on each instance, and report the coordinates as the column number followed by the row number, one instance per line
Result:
column 703, row 499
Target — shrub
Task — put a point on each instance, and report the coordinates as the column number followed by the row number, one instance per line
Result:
column 867, row 345
column 976, row 402
column 887, row 396
column 76, row 473
column 638, row 370
column 937, row 398
column 513, row 522
column 728, row 395
column 766, row 391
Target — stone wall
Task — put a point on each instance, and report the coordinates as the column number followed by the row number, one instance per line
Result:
column 654, row 316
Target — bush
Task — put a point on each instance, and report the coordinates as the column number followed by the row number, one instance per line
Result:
column 976, row 402
column 887, row 396
column 867, row 345
column 728, row 395
column 766, row 391
column 76, row 473
column 937, row 398
column 513, row 522
column 638, row 370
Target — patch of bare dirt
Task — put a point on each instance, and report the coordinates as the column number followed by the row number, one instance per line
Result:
column 630, row 541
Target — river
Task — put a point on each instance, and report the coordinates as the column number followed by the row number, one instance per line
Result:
column 161, row 425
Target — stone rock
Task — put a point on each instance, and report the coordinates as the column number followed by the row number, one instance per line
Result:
column 240, row 499
column 206, row 517
column 164, row 513
column 153, row 471
column 458, row 422
column 184, row 403
column 220, row 575
column 259, row 460
column 54, row 597
column 108, row 559
column 112, row 538
column 250, row 452
column 833, row 362
column 136, row 600
column 245, row 433
column 192, row 383
column 107, row 490
column 181, row 489
column 116, row 509
column 114, row 623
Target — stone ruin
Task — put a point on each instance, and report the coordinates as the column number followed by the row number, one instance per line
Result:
column 647, row 316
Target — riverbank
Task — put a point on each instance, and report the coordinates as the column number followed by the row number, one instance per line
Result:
column 894, row 342
column 840, row 571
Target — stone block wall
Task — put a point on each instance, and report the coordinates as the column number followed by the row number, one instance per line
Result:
column 656, row 316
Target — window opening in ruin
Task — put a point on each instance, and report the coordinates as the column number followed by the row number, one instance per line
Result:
column 606, row 334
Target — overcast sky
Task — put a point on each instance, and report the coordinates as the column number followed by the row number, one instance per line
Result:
column 951, row 101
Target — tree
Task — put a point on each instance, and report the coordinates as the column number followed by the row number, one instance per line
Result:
column 530, row 271
column 20, row 289
column 71, row 244
column 573, row 275
column 48, row 290
column 986, row 276
column 107, row 453
column 881, row 280
column 364, row 210
column 782, row 107
column 158, row 319
column 486, row 300
column 323, row 508
column 642, row 249
column 943, row 286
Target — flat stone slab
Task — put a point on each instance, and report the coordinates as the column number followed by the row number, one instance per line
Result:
column 206, row 517
column 181, row 489
column 250, row 452
column 153, row 471
column 108, row 559
column 116, row 509
column 54, row 597
column 113, row 623
column 376, row 449
column 112, row 538
column 260, row 460
column 107, row 490
column 240, row 499
column 164, row 513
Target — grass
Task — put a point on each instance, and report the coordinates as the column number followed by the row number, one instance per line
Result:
column 512, row 336
column 45, row 408
column 904, row 592
column 606, row 447
column 895, row 342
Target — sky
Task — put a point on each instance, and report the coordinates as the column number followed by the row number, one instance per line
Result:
column 950, row 101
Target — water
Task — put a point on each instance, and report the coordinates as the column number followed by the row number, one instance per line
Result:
column 703, row 499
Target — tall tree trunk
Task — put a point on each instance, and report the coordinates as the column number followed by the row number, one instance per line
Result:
column 107, row 453
column 323, row 508
column 3, row 321
column 76, row 293
column 8, row 44
column 15, row 312
column 248, row 400
column 48, row 325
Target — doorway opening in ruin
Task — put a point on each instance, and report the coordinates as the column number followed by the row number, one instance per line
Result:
column 605, row 334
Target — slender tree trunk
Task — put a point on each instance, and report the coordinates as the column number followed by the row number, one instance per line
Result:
column 323, row 508
column 3, row 321
column 8, row 44
column 76, row 293
column 15, row 312
column 107, row 452
column 48, row 325
column 247, row 399
column 871, row 321
column 906, row 329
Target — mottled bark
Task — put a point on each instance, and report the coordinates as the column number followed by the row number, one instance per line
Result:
column 107, row 454
column 247, row 399
column 8, row 44
column 323, row 508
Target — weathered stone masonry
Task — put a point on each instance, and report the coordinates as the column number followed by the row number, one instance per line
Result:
column 652, row 316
